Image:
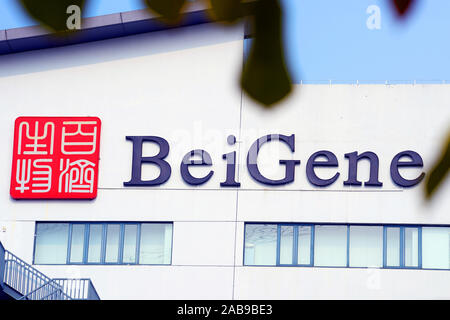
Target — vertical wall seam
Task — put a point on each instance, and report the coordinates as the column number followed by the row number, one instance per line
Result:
column 237, row 158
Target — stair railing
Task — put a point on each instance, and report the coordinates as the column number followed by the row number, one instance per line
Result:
column 48, row 291
column 2, row 263
column 32, row 284
column 78, row 289
column 21, row 276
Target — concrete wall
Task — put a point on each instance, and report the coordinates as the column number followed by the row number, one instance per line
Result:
column 183, row 85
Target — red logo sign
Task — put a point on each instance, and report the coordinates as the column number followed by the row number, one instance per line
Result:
column 55, row 158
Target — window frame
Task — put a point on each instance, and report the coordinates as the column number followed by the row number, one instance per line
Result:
column 69, row 244
column 137, row 243
column 35, row 242
column 421, row 246
column 347, row 243
column 294, row 245
column 278, row 244
column 104, row 227
column 402, row 246
column 402, row 253
column 349, row 237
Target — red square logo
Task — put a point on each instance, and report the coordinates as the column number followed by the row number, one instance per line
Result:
column 55, row 158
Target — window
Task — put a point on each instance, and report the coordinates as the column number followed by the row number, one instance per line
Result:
column 51, row 243
column 366, row 246
column 286, row 244
column 95, row 243
column 411, row 247
column 156, row 244
column 272, row 244
column 351, row 246
column 103, row 243
column 77, row 243
column 330, row 246
column 304, row 245
column 435, row 248
column 112, row 243
column 260, row 244
column 130, row 243
column 402, row 247
column 393, row 247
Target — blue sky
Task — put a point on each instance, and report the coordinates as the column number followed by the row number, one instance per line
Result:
column 329, row 39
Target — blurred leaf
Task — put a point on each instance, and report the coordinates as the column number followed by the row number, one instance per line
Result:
column 439, row 171
column 52, row 14
column 226, row 10
column 170, row 10
column 402, row 6
column 265, row 77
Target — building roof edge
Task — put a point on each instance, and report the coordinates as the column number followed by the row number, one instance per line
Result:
column 97, row 28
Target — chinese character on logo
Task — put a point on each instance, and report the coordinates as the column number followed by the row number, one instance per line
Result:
column 77, row 141
column 77, row 176
column 55, row 158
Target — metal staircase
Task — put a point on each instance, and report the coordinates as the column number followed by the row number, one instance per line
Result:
column 21, row 281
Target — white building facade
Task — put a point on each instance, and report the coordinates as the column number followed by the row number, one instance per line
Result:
column 208, row 241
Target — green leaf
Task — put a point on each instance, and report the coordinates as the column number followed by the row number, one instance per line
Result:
column 51, row 14
column 170, row 10
column 439, row 171
column 226, row 10
column 265, row 77
column 402, row 6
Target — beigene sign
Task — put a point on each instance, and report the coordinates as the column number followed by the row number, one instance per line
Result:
column 323, row 158
column 55, row 158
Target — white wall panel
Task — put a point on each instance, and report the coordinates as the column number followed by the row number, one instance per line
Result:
column 203, row 243
column 152, row 282
column 339, row 283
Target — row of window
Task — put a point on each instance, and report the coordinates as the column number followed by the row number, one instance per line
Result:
column 347, row 246
column 322, row 245
column 103, row 243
